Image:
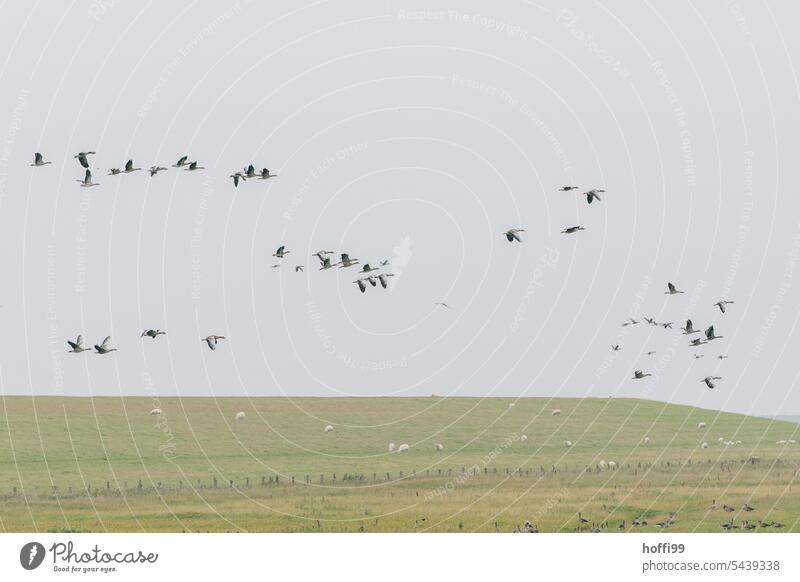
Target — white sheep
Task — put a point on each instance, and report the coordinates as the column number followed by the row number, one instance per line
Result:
column 155, row 412
column 701, row 425
column 568, row 444
column 601, row 465
column 704, row 446
column 402, row 448
column 792, row 441
column 781, row 442
column 720, row 439
column 511, row 404
column 329, row 428
column 523, row 438
column 738, row 442
column 646, row 440
column 612, row 465
column 240, row 415
column 392, row 447
column 556, row 412
column 439, row 447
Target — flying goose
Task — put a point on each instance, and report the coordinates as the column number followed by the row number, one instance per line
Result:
column 710, row 334
column 87, row 180
column 321, row 254
column 721, row 357
column 671, row 290
column 698, row 356
column 298, row 269
column 638, row 375
column 651, row 321
column 568, row 188
column 155, row 170
column 722, row 304
column 442, row 304
column 361, row 285
column 650, row 353
column 347, row 261
column 250, row 171
column 572, row 229
column 326, row 264
column 382, row 278
column 181, row 162
column 666, row 325
column 512, row 234
column 631, row 321
column 384, row 262
column 81, row 157
column 280, row 253
column 153, row 333
column 592, row 194
column 366, row 268
column 689, row 329
column 616, row 348
column 38, row 160
column 129, row 167
column 709, row 380
column 265, row 175
column 77, row 346
column 697, row 342
column 212, row 340
column 236, row 178
column 114, row 172
column 372, row 280
column 105, row 347
column 192, row 167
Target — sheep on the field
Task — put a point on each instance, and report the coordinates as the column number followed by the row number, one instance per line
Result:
column 720, row 439
column 704, row 446
column 155, row 412
column 781, row 442
column 556, row 412
column 646, row 440
column 601, row 465
column 701, row 425
column 737, row 442
column 568, row 444
column 612, row 465
column 792, row 441
column 240, row 415
column 511, row 404
column 329, row 428
column 402, row 448
column 392, row 447
column 439, row 447
column 523, row 438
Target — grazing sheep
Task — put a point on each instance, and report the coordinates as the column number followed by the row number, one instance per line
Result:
column 329, row 428
column 392, row 447
column 511, row 404
column 646, row 440
column 737, row 442
column 568, row 444
column 439, row 447
column 704, row 446
column 402, row 448
column 612, row 465
column 601, row 465
column 523, row 438
column 240, row 416
column 720, row 439
column 556, row 412
column 792, row 441
column 155, row 412
column 701, row 425
column 781, row 442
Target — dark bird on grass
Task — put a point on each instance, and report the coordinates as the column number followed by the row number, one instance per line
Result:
column 671, row 290
column 582, row 519
column 746, row 507
column 38, row 160
column 82, row 158
column 105, row 347
column 572, row 229
column 722, row 304
column 709, row 381
column 153, row 333
column 512, row 234
column 638, row 375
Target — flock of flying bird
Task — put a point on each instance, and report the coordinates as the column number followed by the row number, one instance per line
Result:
column 368, row 272
column 513, row 235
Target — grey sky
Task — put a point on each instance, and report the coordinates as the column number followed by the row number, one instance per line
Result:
column 417, row 136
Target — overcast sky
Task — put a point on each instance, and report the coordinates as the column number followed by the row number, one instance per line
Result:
column 416, row 135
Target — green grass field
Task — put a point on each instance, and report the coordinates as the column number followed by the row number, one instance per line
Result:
column 200, row 470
